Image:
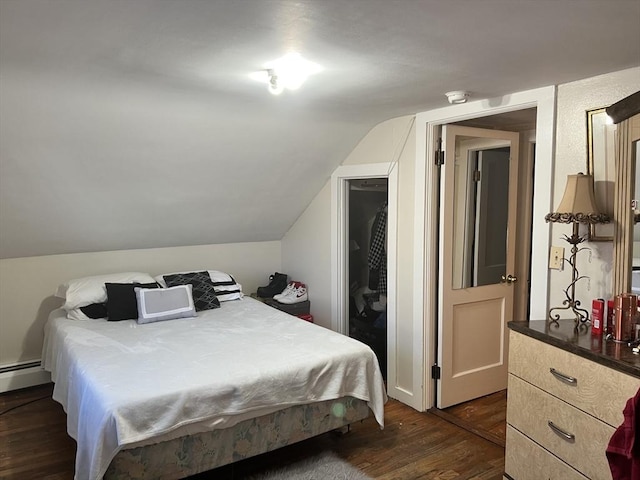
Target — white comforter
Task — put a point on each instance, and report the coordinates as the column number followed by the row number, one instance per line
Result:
column 124, row 384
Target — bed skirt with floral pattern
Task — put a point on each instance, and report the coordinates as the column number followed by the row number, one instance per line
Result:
column 192, row 454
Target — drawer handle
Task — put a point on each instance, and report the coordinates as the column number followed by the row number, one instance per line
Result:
column 563, row 377
column 569, row 437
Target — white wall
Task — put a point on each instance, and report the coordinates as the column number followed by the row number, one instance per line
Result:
column 306, row 254
column 573, row 101
column 306, row 248
column 27, row 284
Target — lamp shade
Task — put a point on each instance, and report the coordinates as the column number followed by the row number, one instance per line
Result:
column 578, row 203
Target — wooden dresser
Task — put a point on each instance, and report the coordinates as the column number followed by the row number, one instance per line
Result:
column 566, row 394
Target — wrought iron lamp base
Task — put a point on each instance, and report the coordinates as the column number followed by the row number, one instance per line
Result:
column 570, row 303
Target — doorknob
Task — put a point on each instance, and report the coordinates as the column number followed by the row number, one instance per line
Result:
column 508, row 279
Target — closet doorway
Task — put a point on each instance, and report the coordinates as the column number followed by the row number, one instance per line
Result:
column 367, row 259
column 343, row 281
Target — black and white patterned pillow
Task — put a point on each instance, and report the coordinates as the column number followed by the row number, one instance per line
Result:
column 204, row 295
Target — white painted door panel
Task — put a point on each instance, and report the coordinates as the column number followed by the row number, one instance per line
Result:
column 475, row 303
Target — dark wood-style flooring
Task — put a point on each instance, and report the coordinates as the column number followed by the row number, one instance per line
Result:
column 413, row 445
column 486, row 416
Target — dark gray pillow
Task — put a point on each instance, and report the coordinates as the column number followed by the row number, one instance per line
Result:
column 95, row 310
column 121, row 300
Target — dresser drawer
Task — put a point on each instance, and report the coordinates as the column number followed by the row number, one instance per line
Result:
column 530, row 410
column 533, row 360
column 526, row 460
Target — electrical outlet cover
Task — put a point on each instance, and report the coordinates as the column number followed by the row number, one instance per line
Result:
column 556, row 258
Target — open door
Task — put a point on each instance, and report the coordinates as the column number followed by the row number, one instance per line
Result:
column 477, row 257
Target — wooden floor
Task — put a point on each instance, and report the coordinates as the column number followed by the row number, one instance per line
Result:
column 413, row 445
column 486, row 416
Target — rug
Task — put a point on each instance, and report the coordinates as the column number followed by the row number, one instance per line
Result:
column 326, row 466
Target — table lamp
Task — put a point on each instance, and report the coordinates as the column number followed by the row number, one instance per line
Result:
column 578, row 206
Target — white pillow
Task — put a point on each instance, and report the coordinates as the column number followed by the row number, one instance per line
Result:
column 158, row 304
column 84, row 291
column 224, row 285
column 76, row 314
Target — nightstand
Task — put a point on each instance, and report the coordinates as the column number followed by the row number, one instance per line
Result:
column 297, row 309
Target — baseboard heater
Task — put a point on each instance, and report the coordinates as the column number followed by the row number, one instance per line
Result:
column 23, row 375
column 20, row 366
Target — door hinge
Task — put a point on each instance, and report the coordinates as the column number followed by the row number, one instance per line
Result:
column 476, row 176
column 435, row 372
column 439, row 154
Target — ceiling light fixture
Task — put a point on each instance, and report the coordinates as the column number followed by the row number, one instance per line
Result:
column 288, row 72
column 457, row 96
column 275, row 87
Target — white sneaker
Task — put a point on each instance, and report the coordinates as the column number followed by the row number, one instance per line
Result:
column 299, row 294
column 291, row 286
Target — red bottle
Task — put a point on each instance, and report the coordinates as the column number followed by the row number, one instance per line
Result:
column 597, row 316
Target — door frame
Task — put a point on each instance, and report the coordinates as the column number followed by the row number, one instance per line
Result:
column 340, row 252
column 426, row 257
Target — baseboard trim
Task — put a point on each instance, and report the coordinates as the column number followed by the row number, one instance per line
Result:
column 23, row 378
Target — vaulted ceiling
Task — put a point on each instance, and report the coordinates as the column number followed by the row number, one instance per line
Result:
column 134, row 124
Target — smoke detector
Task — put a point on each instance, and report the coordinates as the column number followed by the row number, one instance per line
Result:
column 457, row 96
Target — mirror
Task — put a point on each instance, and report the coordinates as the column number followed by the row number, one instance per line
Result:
column 600, row 164
column 481, row 199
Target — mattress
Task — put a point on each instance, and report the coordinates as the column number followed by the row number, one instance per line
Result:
column 125, row 385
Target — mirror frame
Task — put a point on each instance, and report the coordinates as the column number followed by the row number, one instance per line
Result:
column 627, row 134
column 600, row 165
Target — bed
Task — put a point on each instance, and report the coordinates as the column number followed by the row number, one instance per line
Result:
column 174, row 398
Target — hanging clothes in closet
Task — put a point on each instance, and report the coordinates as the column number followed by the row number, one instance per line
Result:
column 377, row 260
column 368, row 315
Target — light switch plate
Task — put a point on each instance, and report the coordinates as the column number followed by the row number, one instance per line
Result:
column 556, row 258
